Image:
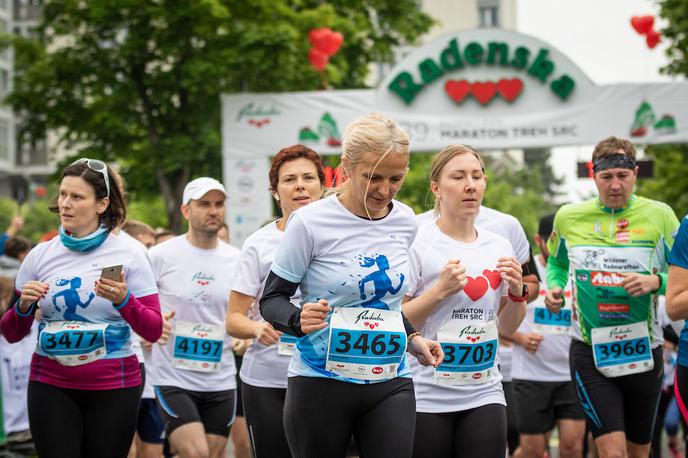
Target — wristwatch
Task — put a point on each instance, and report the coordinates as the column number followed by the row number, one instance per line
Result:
column 522, row 298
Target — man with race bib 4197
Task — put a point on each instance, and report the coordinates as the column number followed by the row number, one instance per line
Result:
column 614, row 247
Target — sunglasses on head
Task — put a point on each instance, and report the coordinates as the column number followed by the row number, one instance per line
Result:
column 96, row 166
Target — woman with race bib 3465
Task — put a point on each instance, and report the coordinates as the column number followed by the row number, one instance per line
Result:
column 349, row 253
column 465, row 287
column 297, row 178
column 85, row 380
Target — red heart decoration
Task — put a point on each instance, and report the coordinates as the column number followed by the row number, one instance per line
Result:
column 318, row 59
column 494, row 277
column 457, row 90
column 642, row 24
column 377, row 324
column 653, row 38
column 475, row 287
column 483, row 92
column 326, row 40
column 510, row 89
column 477, row 338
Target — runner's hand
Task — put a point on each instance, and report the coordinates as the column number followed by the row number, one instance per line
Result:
column 427, row 352
column 266, row 334
column 313, row 316
column 166, row 327
column 113, row 291
column 554, row 299
column 452, row 278
column 32, row 292
column 239, row 346
column 530, row 341
column 639, row 284
column 512, row 273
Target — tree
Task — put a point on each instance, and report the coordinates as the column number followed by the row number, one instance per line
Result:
column 670, row 181
column 140, row 82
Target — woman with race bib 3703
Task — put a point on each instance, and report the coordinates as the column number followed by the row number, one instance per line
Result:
column 465, row 287
column 85, row 380
column 348, row 253
column 297, row 178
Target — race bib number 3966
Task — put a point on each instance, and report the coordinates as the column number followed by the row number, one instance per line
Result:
column 622, row 350
column 365, row 344
column 198, row 346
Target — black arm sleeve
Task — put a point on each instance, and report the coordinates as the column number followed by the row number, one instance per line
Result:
column 529, row 268
column 407, row 325
column 276, row 307
column 670, row 334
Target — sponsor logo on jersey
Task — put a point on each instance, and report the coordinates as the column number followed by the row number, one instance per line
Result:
column 613, row 308
column 623, row 236
column 377, row 370
column 583, row 276
column 605, row 279
column 477, row 376
column 622, row 223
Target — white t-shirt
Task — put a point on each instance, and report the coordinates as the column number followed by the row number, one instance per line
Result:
column 348, row 260
column 72, row 275
column 15, row 365
column 550, row 363
column 195, row 283
column 262, row 366
column 429, row 253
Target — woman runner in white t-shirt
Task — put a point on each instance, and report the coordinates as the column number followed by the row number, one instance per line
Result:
column 348, row 253
column 85, row 380
column 297, row 178
column 465, row 287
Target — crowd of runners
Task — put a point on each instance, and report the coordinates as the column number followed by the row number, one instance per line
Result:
column 350, row 325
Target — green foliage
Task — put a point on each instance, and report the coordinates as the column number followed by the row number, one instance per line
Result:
column 140, row 82
column 38, row 220
column 151, row 211
column 675, row 12
column 8, row 208
column 670, row 181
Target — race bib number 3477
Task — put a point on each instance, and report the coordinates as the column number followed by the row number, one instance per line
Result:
column 365, row 344
column 73, row 343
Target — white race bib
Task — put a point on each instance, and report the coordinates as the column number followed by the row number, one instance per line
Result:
column 622, row 350
column 470, row 350
column 546, row 322
column 198, row 346
column 366, row 344
column 73, row 343
column 286, row 345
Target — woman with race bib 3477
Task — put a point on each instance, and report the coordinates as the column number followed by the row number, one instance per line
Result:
column 465, row 287
column 85, row 380
column 348, row 253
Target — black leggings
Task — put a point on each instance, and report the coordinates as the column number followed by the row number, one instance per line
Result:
column 82, row 423
column 475, row 432
column 321, row 414
column 263, row 409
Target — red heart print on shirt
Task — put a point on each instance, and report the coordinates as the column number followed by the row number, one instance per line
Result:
column 494, row 277
column 475, row 287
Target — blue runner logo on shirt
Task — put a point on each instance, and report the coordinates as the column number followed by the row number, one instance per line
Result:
column 381, row 281
column 71, row 298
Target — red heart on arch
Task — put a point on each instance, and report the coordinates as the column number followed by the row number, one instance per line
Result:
column 510, row 89
column 483, row 91
column 475, row 287
column 457, row 90
column 642, row 24
column 494, row 277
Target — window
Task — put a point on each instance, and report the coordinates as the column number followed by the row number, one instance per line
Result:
column 4, row 83
column 4, row 140
column 488, row 16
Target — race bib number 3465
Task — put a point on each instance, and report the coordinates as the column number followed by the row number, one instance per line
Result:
column 365, row 344
column 470, row 350
column 198, row 346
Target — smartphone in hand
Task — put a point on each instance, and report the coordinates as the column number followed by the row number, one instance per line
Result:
column 111, row 272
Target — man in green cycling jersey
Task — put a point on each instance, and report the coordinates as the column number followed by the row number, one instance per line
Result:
column 614, row 247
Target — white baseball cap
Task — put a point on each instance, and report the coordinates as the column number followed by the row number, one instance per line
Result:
column 195, row 189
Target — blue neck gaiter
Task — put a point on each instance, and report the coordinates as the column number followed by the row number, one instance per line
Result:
column 88, row 243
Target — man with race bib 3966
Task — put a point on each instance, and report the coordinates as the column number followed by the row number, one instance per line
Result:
column 194, row 372
column 615, row 248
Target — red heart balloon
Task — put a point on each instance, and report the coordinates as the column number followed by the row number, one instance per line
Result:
column 318, row 38
column 642, row 24
column 318, row 59
column 333, row 43
column 653, row 38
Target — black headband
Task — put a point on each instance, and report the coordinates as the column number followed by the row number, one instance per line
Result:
column 617, row 161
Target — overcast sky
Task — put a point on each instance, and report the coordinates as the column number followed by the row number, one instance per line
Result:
column 597, row 35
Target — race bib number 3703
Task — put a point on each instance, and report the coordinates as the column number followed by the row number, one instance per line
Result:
column 470, row 350
column 365, row 344
column 198, row 346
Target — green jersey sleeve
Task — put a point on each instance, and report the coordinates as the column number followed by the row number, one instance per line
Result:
column 558, row 261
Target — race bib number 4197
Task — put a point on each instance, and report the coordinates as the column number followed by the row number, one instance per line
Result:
column 198, row 346
column 365, row 344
